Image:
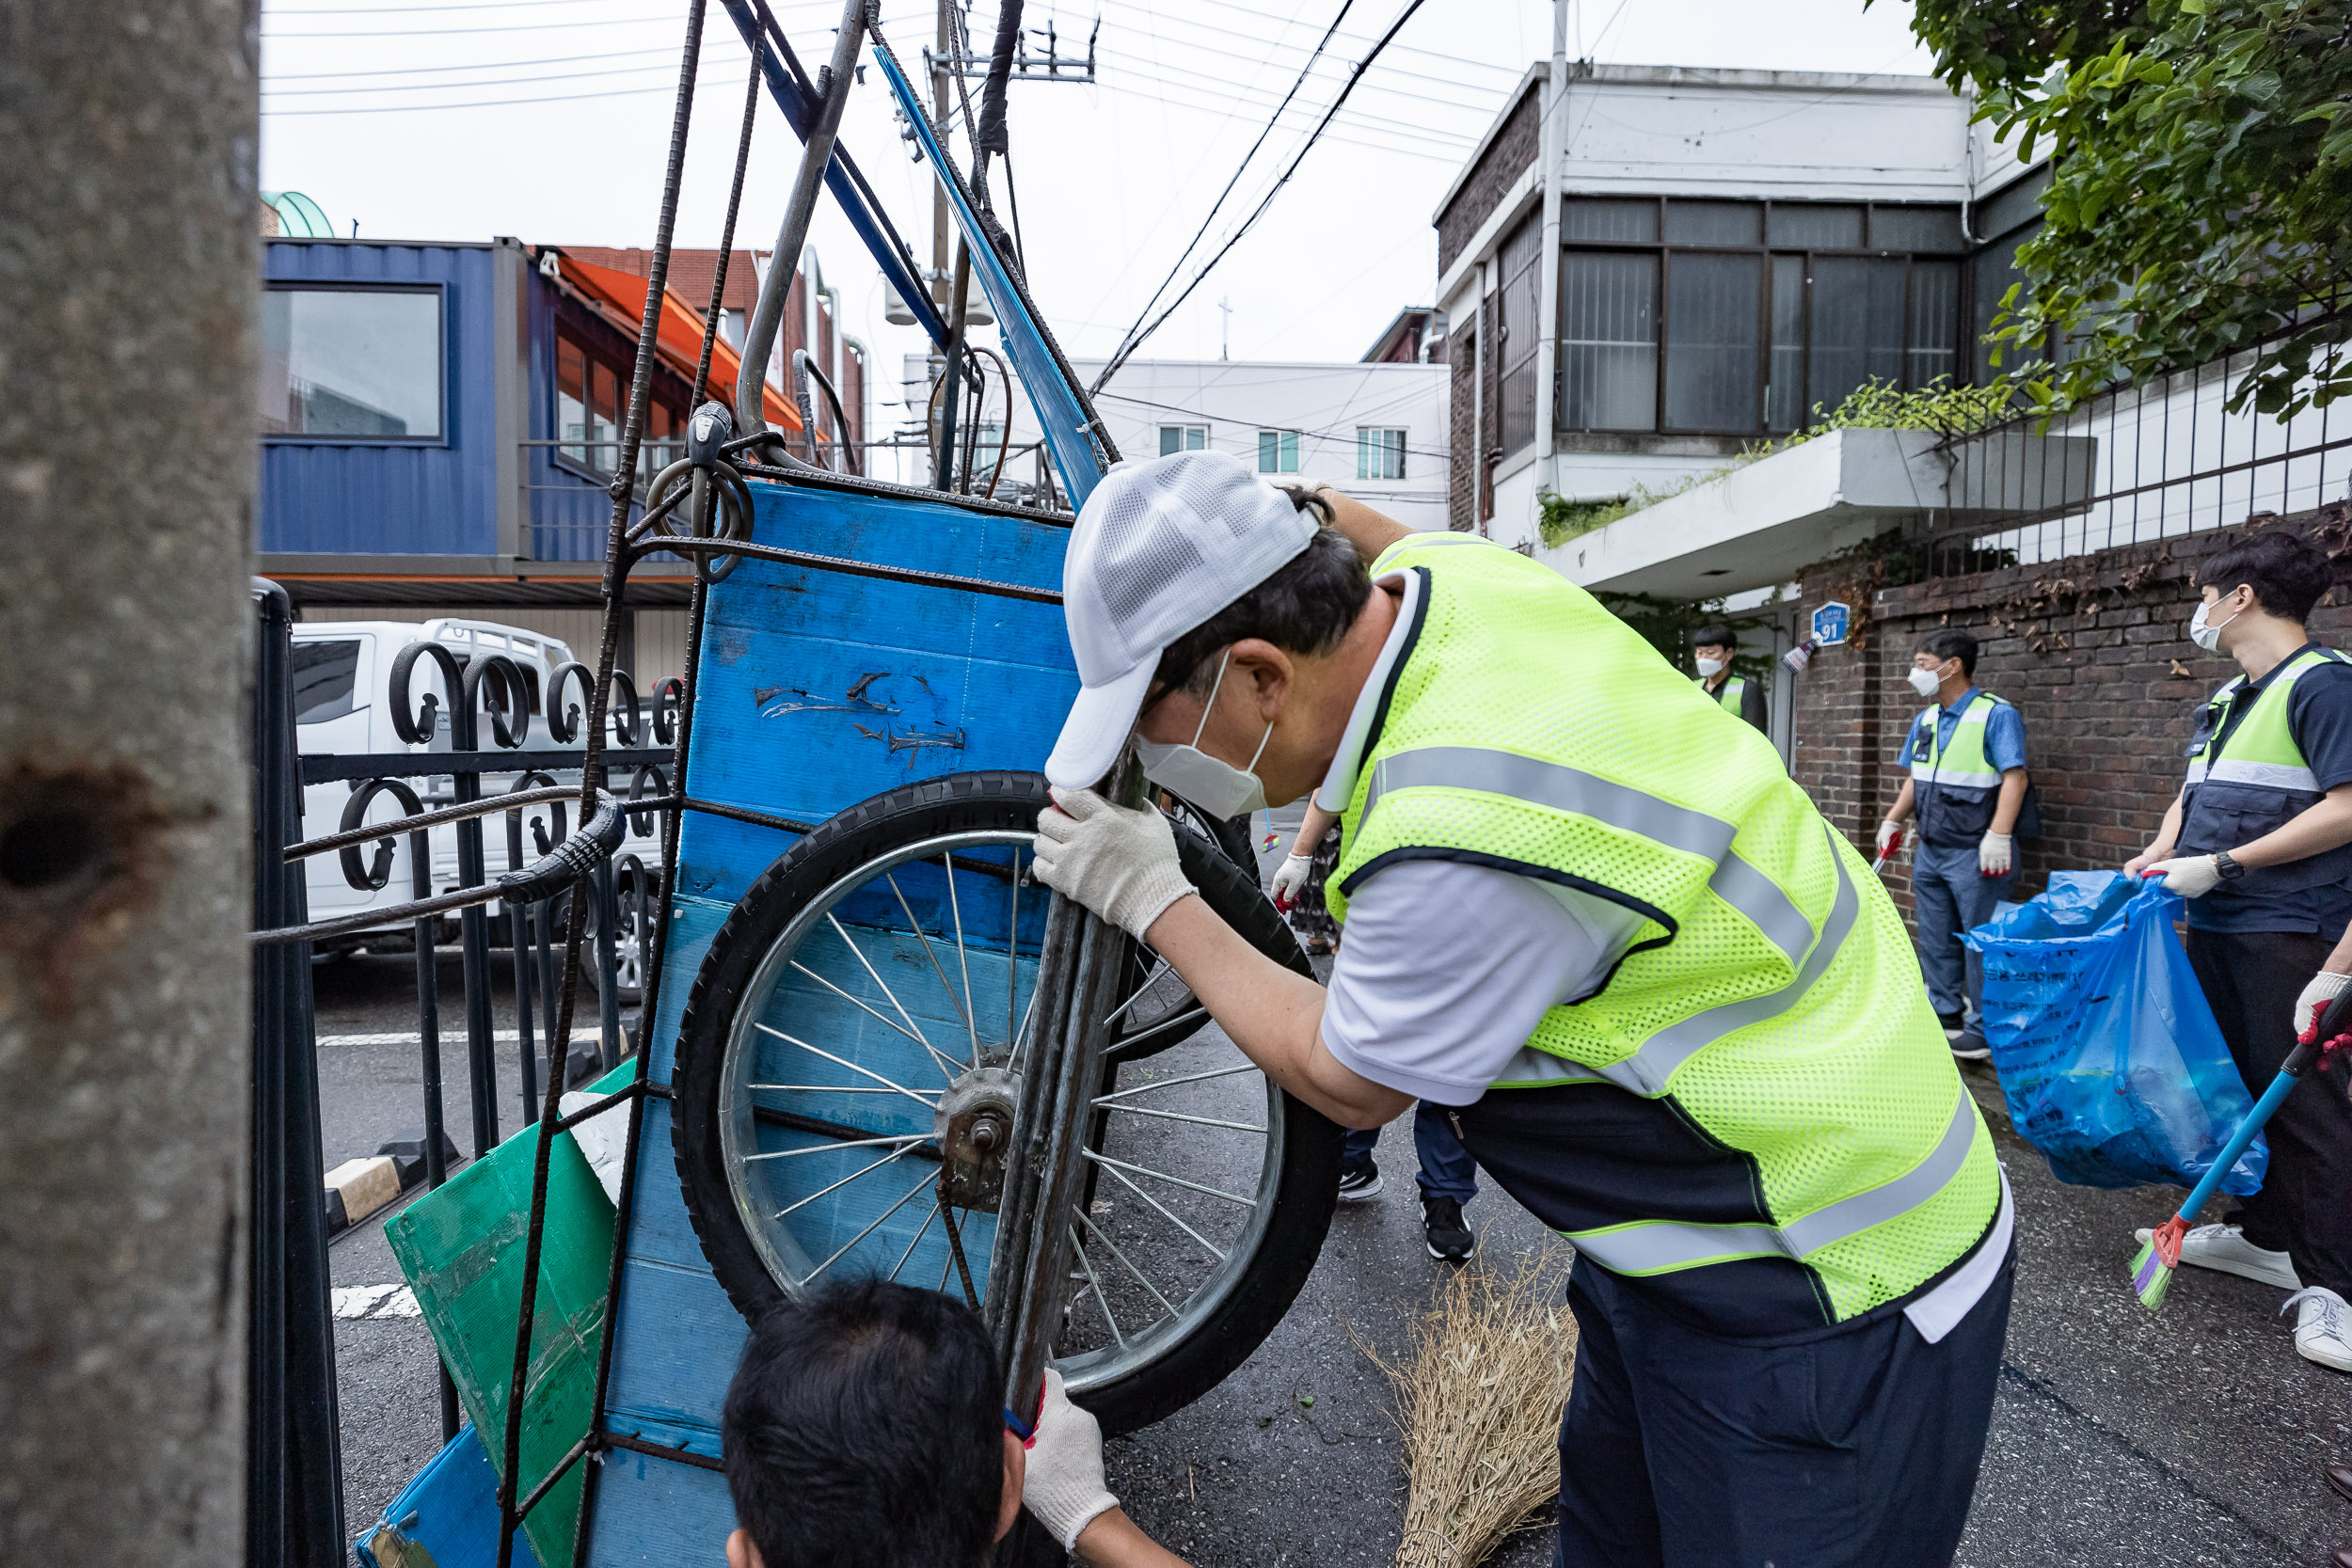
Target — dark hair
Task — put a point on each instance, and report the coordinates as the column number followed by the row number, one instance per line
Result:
column 1952, row 642
column 1714, row 635
column 1305, row 607
column 2287, row 572
column 863, row 1430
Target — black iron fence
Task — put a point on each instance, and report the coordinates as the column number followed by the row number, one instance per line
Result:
column 489, row 768
column 2165, row 457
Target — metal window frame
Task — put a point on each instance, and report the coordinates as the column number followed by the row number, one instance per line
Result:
column 1663, row 251
column 1394, row 439
column 440, row 291
column 1160, row 431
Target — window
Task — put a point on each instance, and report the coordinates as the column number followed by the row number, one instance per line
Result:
column 1278, row 451
column 592, row 398
column 1733, row 317
column 1518, row 334
column 351, row 364
column 1379, row 452
column 325, row 676
column 1182, row 437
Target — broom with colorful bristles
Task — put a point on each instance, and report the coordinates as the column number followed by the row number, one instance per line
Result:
column 2151, row 1271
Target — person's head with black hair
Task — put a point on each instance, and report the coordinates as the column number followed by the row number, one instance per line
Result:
column 865, row 1429
column 1940, row 647
column 1712, row 647
column 2269, row 579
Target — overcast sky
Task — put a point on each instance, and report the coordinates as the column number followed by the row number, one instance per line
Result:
column 548, row 120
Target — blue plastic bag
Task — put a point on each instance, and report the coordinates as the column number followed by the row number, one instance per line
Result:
column 2107, row 1052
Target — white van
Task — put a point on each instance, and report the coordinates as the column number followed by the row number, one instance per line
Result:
column 344, row 707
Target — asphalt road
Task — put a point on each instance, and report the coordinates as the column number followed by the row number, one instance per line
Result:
column 2193, row 1438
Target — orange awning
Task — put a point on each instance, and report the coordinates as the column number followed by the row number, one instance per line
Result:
column 679, row 337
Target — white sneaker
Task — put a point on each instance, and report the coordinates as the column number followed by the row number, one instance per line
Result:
column 2323, row 1327
column 2224, row 1247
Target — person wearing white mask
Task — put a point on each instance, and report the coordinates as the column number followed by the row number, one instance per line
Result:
column 1660, row 1001
column 2259, row 841
column 1712, row 649
column 1967, row 787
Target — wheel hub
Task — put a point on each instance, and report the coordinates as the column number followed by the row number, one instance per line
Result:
column 973, row 1126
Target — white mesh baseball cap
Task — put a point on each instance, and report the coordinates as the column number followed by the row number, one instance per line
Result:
column 1162, row 545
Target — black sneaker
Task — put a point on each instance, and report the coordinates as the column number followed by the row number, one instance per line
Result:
column 1450, row 1240
column 1355, row 1186
column 1969, row 1046
column 1954, row 1023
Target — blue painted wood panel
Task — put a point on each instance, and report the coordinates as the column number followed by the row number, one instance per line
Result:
column 814, row 691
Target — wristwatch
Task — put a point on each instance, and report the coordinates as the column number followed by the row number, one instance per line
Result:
column 2228, row 870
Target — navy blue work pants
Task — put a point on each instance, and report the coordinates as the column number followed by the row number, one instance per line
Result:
column 1446, row 1168
column 1949, row 894
column 1855, row 1448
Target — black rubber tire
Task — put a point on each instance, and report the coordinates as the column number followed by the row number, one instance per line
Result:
column 1309, row 1182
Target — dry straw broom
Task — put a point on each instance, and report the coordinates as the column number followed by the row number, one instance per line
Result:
column 1479, row 1405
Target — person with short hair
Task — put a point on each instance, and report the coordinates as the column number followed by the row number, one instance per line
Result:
column 865, row 1429
column 1966, row 759
column 2259, row 841
column 1714, row 646
column 1662, row 1003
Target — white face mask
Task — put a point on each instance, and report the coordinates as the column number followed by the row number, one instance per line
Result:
column 1710, row 668
column 1924, row 682
column 2207, row 634
column 1218, row 787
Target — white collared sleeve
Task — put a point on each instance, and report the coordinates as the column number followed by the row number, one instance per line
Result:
column 1445, row 969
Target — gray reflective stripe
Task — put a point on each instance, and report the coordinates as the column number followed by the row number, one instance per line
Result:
column 1932, row 773
column 2197, row 769
column 1657, row 1246
column 2268, row 775
column 1550, row 783
column 1562, row 788
column 1646, row 1071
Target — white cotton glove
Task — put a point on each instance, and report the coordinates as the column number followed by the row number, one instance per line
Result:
column 1890, row 835
column 1993, row 855
column 1064, row 1489
column 1120, row 862
column 2325, row 987
column 1288, row 881
column 2191, row 876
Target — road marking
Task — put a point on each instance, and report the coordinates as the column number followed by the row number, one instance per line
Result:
column 376, row 1301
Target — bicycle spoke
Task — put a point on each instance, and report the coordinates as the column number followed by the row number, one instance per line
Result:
column 1172, row 1083
column 948, row 1064
column 919, row 1234
column 1100, row 1299
column 1173, row 1022
column 1149, row 981
column 1161, row 1175
column 841, row 1061
column 859, row 1002
column 802, row 1202
column 1088, row 1222
column 912, row 1192
column 844, row 1088
column 838, row 1143
column 1028, row 1016
column 1178, row 1115
column 1171, row 1219
column 944, row 984
column 964, row 959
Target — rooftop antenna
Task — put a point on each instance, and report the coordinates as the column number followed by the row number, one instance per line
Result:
column 1225, row 333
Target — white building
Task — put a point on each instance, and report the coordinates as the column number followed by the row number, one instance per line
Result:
column 1375, row 428
column 1734, row 249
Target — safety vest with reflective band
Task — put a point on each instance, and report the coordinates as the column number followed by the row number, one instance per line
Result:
column 1728, row 698
column 1756, row 1115
column 2248, row 779
column 1955, row 787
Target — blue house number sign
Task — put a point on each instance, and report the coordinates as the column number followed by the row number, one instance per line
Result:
column 1829, row 624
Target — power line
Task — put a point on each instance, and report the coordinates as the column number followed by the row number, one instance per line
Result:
column 1134, row 339
column 487, row 65
column 267, row 92
column 1512, row 72
column 484, row 103
column 1364, row 119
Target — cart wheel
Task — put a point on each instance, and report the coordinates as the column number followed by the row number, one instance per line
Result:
column 877, row 984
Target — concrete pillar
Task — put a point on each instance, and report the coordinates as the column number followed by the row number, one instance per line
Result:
column 127, row 259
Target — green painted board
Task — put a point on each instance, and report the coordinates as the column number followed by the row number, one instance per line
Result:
column 461, row 1247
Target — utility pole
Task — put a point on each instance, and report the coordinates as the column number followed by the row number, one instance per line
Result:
column 1225, row 328
column 129, row 231
column 1554, row 150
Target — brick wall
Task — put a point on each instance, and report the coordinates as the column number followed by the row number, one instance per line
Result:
column 1461, row 504
column 1498, row 168
column 2094, row 652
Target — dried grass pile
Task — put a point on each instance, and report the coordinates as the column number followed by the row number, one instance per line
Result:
column 1479, row 1403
